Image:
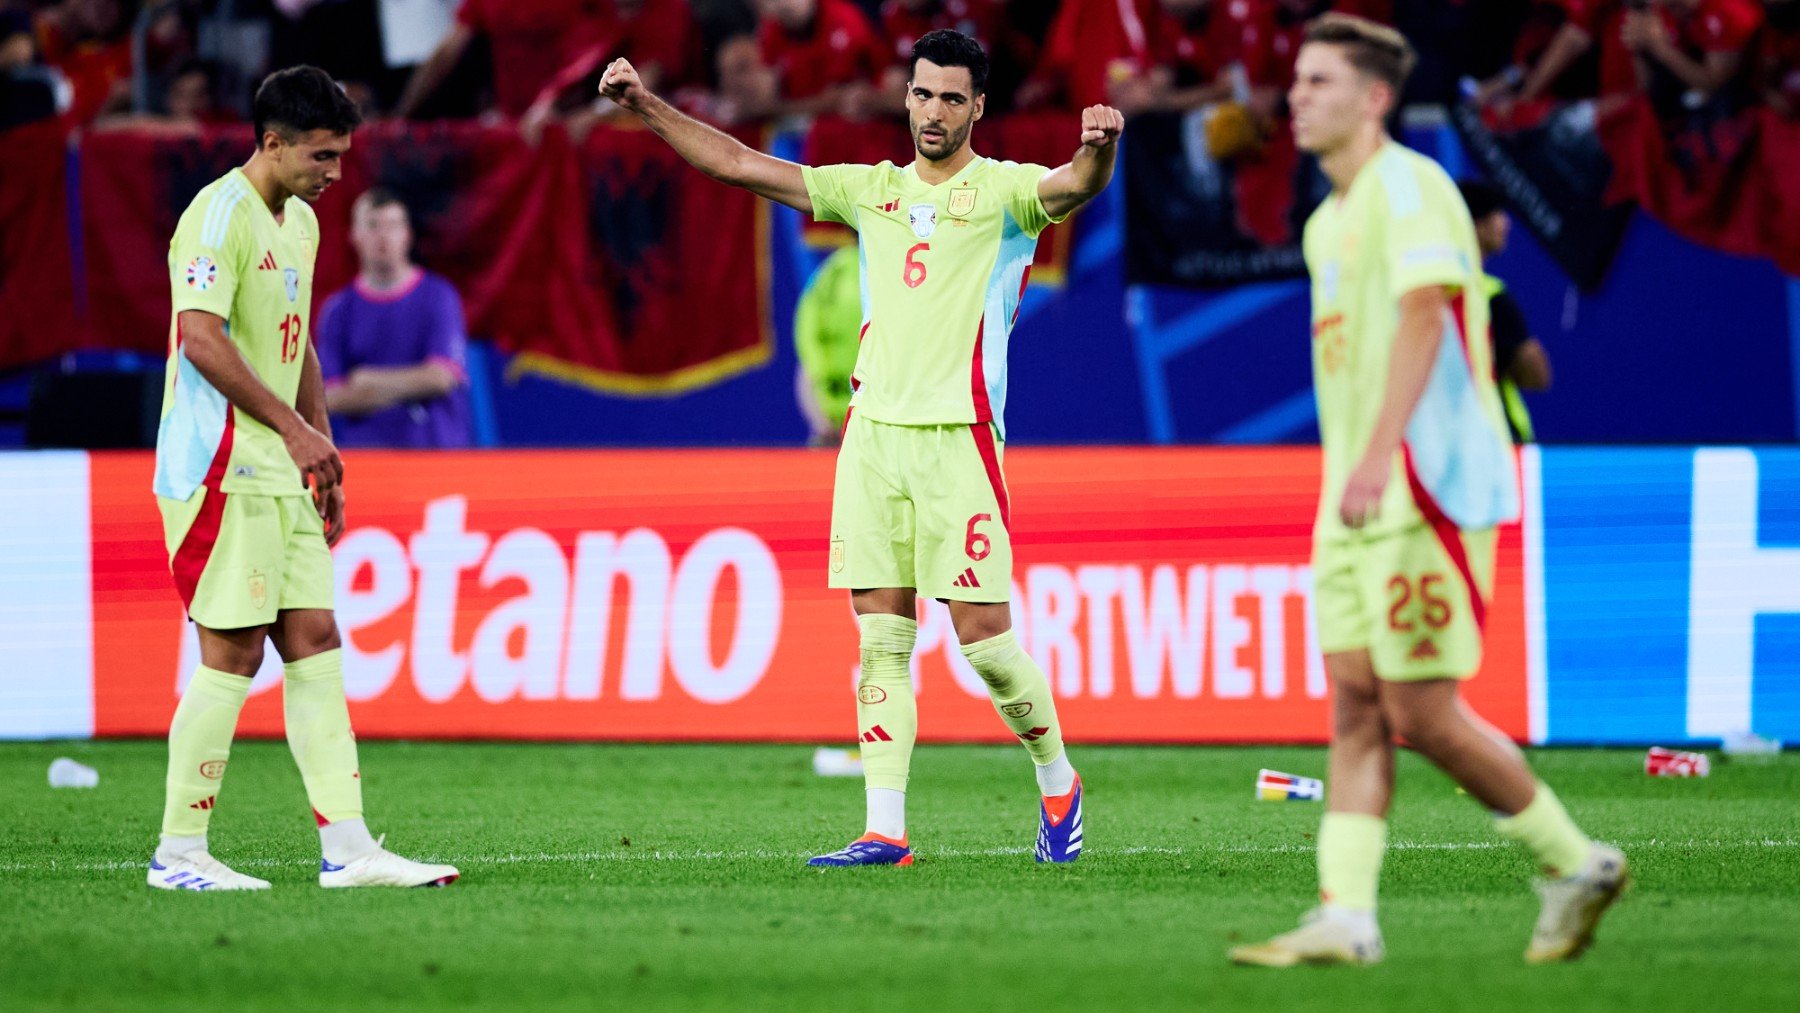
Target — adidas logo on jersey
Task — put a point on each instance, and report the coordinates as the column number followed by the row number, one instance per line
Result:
column 204, row 804
column 1034, row 734
column 268, row 263
column 890, row 207
column 967, row 579
column 876, row 734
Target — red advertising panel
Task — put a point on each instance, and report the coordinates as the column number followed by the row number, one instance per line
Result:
column 680, row 595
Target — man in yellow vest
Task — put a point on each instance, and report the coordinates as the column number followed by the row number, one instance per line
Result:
column 1520, row 361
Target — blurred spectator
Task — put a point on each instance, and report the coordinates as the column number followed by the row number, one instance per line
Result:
column 1520, row 361
column 659, row 37
column 1193, row 48
column 29, row 91
column 88, row 40
column 1781, row 57
column 827, row 320
column 190, row 101
column 1571, row 49
column 904, row 21
column 810, row 57
column 392, row 345
column 530, row 42
column 1691, row 52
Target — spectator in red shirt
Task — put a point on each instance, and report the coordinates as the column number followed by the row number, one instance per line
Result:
column 810, row 57
column 1544, row 71
column 531, row 41
column 903, row 22
column 1193, row 44
column 1693, row 50
column 659, row 37
column 87, row 41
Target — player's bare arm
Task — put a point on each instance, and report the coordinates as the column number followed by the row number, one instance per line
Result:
column 713, row 152
column 310, row 401
column 1422, row 315
column 1080, row 179
column 205, row 344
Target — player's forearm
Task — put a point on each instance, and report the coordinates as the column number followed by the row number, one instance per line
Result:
column 410, row 383
column 1092, row 169
column 431, row 73
column 713, row 152
column 223, row 366
column 1415, row 352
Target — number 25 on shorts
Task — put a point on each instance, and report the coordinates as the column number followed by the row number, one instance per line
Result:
column 1436, row 611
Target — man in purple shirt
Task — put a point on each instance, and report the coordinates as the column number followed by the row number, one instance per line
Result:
column 392, row 345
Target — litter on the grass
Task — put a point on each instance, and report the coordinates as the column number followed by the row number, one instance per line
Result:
column 1274, row 786
column 1741, row 745
column 837, row 762
column 1660, row 762
column 67, row 773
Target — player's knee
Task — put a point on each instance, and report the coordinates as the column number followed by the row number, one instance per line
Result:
column 887, row 645
column 1420, row 728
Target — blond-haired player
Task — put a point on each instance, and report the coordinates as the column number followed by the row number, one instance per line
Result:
column 1418, row 471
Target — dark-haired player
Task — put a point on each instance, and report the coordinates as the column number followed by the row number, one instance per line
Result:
column 243, row 433
column 920, row 505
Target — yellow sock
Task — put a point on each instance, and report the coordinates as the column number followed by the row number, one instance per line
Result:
column 1350, row 852
column 887, row 715
column 199, row 746
column 1020, row 693
column 1544, row 826
column 318, row 733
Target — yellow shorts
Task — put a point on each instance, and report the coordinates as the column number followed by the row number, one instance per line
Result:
column 1416, row 599
column 923, row 507
column 239, row 559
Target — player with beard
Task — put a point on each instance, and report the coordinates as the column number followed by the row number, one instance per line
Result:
column 920, row 504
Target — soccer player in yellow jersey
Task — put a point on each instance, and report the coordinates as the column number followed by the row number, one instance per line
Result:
column 1418, row 471
column 243, row 432
column 920, row 505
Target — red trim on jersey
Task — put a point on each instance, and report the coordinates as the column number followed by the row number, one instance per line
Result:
column 848, row 411
column 1458, row 312
column 189, row 561
column 1019, row 303
column 319, row 817
column 990, row 457
column 1448, row 534
column 984, row 412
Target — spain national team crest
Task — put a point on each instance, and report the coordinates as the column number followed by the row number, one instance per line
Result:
column 923, row 218
column 837, row 555
column 259, row 590
column 201, row 273
column 292, row 277
column 962, row 201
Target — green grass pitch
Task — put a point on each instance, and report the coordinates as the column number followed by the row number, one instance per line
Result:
column 662, row 877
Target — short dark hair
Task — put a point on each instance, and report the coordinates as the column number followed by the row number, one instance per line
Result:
column 948, row 48
column 1375, row 49
column 380, row 197
column 299, row 100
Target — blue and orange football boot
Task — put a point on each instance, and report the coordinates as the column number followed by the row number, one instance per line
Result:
column 869, row 849
column 1059, row 826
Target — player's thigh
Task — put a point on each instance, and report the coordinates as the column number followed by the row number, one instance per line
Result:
column 964, row 548
column 307, row 581
column 1342, row 617
column 1432, row 590
column 228, row 553
column 871, row 518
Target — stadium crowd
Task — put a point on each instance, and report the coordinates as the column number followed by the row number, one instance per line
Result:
column 183, row 62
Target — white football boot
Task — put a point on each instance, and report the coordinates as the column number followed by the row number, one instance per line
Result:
column 1573, row 905
column 382, row 867
column 198, row 870
column 1325, row 936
